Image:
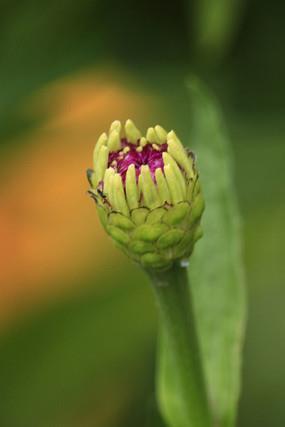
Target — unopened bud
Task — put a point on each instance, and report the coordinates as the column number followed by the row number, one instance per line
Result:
column 147, row 193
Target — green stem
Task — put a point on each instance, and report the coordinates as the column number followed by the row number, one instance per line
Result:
column 178, row 325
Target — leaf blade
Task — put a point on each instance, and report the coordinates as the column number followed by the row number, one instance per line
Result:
column 216, row 271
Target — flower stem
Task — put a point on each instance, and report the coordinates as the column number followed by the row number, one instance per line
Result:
column 182, row 348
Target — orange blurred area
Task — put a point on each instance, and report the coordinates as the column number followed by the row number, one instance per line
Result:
column 50, row 234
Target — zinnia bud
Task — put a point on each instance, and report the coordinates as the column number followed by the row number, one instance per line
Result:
column 147, row 194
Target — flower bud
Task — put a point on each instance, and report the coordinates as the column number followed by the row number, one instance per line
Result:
column 147, row 193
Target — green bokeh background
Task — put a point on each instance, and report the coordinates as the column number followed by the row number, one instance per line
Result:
column 87, row 359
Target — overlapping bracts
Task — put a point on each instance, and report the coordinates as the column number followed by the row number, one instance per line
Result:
column 147, row 193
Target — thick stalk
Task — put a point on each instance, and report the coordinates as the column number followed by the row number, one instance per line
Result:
column 178, row 324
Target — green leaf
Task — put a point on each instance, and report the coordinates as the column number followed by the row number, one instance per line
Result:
column 216, row 270
column 216, row 276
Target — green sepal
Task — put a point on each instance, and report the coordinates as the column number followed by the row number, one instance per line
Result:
column 118, row 235
column 170, row 239
column 197, row 188
column 155, row 215
column 139, row 215
column 198, row 207
column 121, row 221
column 198, row 233
column 154, row 260
column 102, row 216
column 149, row 232
column 190, row 190
column 139, row 247
column 185, row 246
column 176, row 214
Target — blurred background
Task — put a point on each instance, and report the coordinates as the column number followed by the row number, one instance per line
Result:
column 77, row 319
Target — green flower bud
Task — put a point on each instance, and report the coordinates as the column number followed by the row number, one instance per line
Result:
column 147, row 193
